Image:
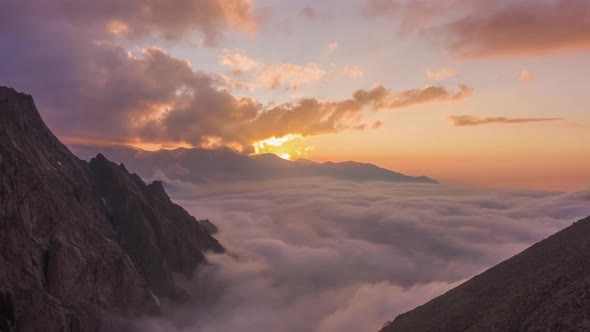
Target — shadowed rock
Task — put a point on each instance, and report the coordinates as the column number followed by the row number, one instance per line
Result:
column 160, row 236
column 69, row 247
column 544, row 288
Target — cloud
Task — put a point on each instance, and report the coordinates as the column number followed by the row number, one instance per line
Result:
column 308, row 12
column 412, row 15
column 375, row 8
column 326, row 256
column 164, row 100
column 140, row 18
column 237, row 61
column 289, row 76
column 93, row 87
column 170, row 19
column 382, row 98
column 354, row 72
column 234, row 84
column 520, row 28
column 526, row 76
column 84, row 82
column 313, row 117
column 376, row 124
column 441, row 74
column 332, row 46
column 470, row 120
column 483, row 29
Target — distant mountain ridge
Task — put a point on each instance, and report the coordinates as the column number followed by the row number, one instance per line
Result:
column 204, row 165
column 544, row 288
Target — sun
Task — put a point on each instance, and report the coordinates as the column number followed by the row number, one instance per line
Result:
column 288, row 147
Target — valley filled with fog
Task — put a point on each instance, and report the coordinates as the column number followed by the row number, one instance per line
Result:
column 329, row 255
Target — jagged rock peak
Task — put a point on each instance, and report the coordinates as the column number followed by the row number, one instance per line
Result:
column 157, row 188
column 81, row 241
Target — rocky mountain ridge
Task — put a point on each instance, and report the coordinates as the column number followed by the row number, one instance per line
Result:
column 82, row 241
column 544, row 288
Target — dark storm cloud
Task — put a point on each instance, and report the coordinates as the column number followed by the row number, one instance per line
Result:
column 329, row 256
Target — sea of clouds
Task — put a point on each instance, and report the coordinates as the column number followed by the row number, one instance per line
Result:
column 331, row 256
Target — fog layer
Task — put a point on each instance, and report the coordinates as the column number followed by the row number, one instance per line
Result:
column 327, row 256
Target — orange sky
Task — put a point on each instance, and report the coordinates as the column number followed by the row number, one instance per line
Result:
column 473, row 92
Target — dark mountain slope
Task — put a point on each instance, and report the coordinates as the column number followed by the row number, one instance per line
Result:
column 544, row 288
column 64, row 263
column 160, row 236
column 203, row 165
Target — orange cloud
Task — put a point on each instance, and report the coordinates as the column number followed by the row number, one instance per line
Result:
column 354, row 72
column 526, row 76
column 117, row 27
column 237, row 61
column 289, row 76
column 441, row 74
column 376, row 124
column 470, row 120
column 202, row 112
column 417, row 96
column 151, row 97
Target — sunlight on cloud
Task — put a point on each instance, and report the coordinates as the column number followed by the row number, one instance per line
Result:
column 288, row 147
column 237, row 61
column 117, row 27
column 526, row 76
column 354, row 72
column 269, row 76
column 441, row 74
column 290, row 75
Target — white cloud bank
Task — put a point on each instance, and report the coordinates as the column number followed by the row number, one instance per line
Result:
column 327, row 256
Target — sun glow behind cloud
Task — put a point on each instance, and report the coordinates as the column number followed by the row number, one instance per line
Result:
column 291, row 146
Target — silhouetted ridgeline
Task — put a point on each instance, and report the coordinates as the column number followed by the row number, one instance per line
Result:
column 544, row 288
column 204, row 165
column 81, row 241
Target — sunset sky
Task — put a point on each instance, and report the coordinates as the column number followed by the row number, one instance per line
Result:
column 473, row 92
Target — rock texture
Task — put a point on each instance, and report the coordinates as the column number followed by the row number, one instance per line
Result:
column 544, row 288
column 80, row 241
column 159, row 236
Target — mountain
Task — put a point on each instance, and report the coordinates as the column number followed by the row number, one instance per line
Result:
column 81, row 243
column 206, row 165
column 544, row 288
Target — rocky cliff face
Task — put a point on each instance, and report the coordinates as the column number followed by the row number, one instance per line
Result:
column 544, row 288
column 159, row 236
column 80, row 241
